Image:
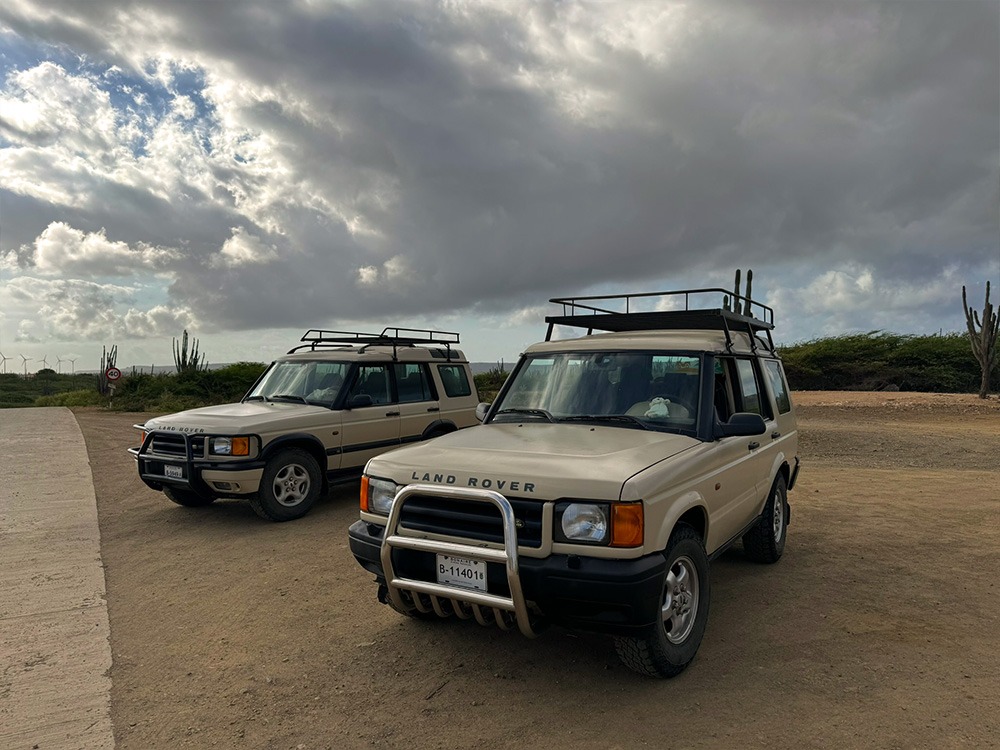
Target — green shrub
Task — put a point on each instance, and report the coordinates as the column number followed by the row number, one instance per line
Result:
column 875, row 360
column 489, row 383
column 73, row 398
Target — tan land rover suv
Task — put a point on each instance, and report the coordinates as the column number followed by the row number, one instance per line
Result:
column 313, row 418
column 607, row 474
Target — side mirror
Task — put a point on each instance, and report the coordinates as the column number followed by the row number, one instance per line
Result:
column 742, row 424
column 359, row 400
column 481, row 410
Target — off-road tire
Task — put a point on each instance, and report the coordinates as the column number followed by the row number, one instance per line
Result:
column 187, row 498
column 668, row 646
column 765, row 542
column 289, row 486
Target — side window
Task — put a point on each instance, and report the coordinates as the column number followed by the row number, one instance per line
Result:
column 749, row 390
column 412, row 383
column 454, row 380
column 776, row 379
column 372, row 380
column 327, row 377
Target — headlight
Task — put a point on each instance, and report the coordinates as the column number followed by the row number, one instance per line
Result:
column 229, row 446
column 380, row 493
column 584, row 522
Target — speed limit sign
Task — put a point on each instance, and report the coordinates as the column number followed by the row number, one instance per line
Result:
column 112, row 373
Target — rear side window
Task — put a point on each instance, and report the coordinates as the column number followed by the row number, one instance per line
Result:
column 454, row 380
column 776, row 379
column 412, row 383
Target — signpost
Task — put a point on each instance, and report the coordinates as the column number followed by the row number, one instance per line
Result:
column 113, row 374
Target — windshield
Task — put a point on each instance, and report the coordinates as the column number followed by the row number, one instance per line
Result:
column 645, row 390
column 301, row 381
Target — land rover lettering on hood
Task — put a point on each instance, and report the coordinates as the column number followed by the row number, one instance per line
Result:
column 608, row 472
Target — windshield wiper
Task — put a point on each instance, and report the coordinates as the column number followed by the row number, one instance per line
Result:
column 289, row 397
column 619, row 418
column 529, row 413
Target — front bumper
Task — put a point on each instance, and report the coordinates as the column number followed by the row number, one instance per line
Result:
column 585, row 593
column 204, row 477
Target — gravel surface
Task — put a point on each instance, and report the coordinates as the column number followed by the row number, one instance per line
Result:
column 878, row 628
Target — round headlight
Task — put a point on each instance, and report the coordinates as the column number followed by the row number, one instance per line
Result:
column 381, row 493
column 584, row 522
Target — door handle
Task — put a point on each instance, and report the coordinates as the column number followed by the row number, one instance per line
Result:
column 392, row 413
column 433, row 408
column 754, row 445
column 775, row 435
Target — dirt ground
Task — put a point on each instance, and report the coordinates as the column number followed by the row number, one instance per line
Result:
column 880, row 626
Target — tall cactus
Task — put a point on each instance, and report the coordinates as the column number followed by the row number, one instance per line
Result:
column 983, row 337
column 183, row 361
column 108, row 359
column 738, row 304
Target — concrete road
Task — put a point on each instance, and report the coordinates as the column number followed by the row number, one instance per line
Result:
column 55, row 655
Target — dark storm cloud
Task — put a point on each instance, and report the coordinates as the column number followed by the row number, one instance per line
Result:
column 511, row 151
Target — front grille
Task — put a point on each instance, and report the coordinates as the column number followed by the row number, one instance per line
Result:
column 471, row 519
column 173, row 444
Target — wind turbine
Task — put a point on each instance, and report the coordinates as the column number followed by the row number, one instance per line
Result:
column 4, row 362
column 45, row 364
column 73, row 362
column 59, row 364
column 26, row 360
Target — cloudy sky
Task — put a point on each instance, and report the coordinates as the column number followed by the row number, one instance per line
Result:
column 247, row 170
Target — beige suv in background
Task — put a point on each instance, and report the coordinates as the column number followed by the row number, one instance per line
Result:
column 609, row 471
column 313, row 418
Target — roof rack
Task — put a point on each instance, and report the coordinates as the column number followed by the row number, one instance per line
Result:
column 736, row 312
column 394, row 336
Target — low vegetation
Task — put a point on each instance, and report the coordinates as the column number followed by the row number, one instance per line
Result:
column 855, row 362
column 488, row 383
column 878, row 361
column 135, row 391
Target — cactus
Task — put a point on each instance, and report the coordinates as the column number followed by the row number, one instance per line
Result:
column 740, row 303
column 983, row 340
column 108, row 359
column 185, row 362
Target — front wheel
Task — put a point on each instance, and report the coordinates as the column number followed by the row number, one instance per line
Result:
column 669, row 645
column 765, row 542
column 289, row 486
column 187, row 498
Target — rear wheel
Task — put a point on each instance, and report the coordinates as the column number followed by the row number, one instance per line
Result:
column 289, row 486
column 765, row 542
column 668, row 646
column 187, row 498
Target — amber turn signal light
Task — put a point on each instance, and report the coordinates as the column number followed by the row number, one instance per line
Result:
column 626, row 525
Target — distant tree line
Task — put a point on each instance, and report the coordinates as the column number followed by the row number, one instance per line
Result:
column 136, row 391
column 878, row 360
column 860, row 362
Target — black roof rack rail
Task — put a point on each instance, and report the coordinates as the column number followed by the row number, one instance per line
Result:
column 394, row 336
column 603, row 313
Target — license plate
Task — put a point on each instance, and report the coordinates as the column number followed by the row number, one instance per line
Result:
column 461, row 571
column 173, row 472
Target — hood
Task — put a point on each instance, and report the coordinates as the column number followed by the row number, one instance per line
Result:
column 234, row 419
column 545, row 461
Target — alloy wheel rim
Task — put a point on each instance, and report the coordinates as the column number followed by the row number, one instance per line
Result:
column 680, row 600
